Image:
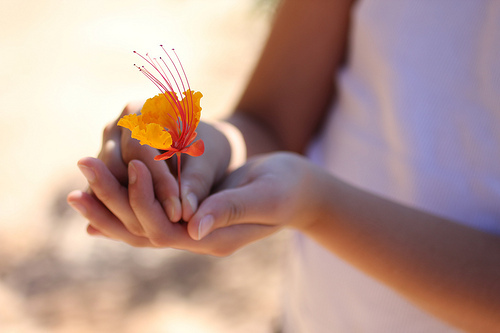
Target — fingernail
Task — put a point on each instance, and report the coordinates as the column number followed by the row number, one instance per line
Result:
column 132, row 173
column 87, row 172
column 205, row 225
column 78, row 207
column 92, row 231
column 173, row 209
column 193, row 201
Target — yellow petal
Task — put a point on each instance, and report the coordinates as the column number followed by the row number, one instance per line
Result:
column 160, row 110
column 153, row 135
column 130, row 121
column 194, row 98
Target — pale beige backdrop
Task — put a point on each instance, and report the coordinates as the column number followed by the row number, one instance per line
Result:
column 66, row 69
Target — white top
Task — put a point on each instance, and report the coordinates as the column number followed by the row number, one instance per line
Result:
column 417, row 121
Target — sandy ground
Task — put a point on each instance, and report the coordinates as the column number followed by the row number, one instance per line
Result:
column 66, row 70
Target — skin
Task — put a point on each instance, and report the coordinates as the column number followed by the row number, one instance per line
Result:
column 447, row 269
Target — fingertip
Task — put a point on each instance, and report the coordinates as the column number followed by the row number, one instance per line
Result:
column 132, row 173
column 74, row 200
column 173, row 208
column 88, row 173
column 205, row 226
column 189, row 205
column 203, row 221
column 137, row 169
column 137, row 164
column 79, row 208
column 86, row 161
column 74, row 195
column 93, row 231
column 91, row 168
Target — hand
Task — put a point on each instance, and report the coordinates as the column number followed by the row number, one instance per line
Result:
column 120, row 206
column 118, row 149
column 268, row 193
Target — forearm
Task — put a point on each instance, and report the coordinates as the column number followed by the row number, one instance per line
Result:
column 445, row 268
column 293, row 81
column 256, row 137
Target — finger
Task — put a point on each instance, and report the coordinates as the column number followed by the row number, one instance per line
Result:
column 197, row 179
column 165, row 184
column 221, row 242
column 225, row 241
column 163, row 233
column 254, row 203
column 111, row 148
column 148, row 210
column 93, row 231
column 110, row 154
column 199, row 174
column 102, row 221
column 110, row 192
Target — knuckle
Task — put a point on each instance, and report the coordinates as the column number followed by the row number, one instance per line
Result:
column 160, row 240
column 104, row 196
column 235, row 211
column 108, row 131
column 135, row 230
column 127, row 142
column 199, row 181
column 131, row 149
column 222, row 251
column 161, row 175
column 139, row 243
column 130, row 108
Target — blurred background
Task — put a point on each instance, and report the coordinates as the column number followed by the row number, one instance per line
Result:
column 66, row 69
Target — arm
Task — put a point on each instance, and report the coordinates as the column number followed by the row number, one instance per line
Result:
column 290, row 89
column 447, row 269
column 293, row 82
column 280, row 109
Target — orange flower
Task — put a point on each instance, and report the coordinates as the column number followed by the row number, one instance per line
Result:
column 167, row 122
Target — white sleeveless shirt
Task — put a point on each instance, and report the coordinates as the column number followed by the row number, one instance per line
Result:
column 417, row 121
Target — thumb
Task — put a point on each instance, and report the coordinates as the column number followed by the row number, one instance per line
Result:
column 254, row 203
column 197, row 180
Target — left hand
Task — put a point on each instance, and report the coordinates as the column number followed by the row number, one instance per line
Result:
column 106, row 205
column 269, row 192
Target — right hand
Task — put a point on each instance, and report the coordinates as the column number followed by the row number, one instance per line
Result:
column 110, row 198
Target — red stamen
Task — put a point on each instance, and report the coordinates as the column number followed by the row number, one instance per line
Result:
column 183, row 104
column 183, row 108
column 186, row 114
column 165, row 90
column 187, row 82
column 179, row 171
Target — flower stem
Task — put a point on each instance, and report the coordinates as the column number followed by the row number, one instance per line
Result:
column 179, row 172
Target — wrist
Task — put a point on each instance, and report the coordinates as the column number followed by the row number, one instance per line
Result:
column 319, row 191
column 237, row 145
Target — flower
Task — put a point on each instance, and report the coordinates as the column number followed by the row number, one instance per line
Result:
column 168, row 122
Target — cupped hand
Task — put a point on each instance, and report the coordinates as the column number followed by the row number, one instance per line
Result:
column 118, row 149
column 199, row 174
column 267, row 193
column 115, row 208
